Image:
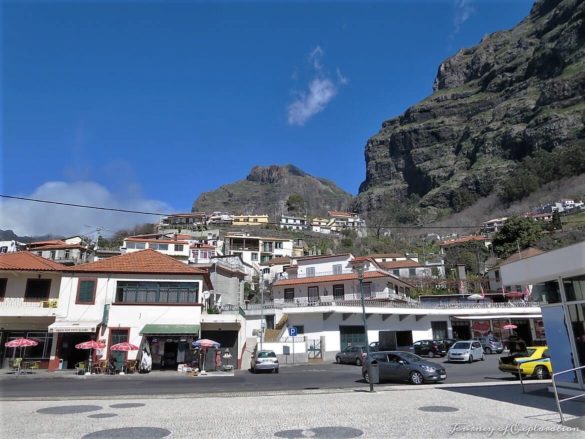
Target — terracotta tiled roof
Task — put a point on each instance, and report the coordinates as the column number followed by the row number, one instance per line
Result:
column 333, row 278
column 202, row 246
column 393, row 265
column 143, row 261
column 526, row 253
column 26, row 261
column 63, row 246
column 161, row 241
column 387, row 255
column 283, row 260
column 43, row 243
column 306, row 258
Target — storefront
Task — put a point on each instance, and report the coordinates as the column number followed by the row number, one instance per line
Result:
column 557, row 280
column 529, row 328
column 65, row 335
column 169, row 345
column 40, row 352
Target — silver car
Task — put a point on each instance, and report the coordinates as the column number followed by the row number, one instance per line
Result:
column 466, row 351
column 264, row 360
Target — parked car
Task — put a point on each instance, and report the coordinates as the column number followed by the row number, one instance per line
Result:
column 491, row 345
column 466, row 351
column 404, row 366
column 432, row 348
column 264, row 360
column 351, row 355
column 540, row 369
column 447, row 343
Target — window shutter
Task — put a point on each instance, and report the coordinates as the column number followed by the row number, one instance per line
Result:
column 86, row 289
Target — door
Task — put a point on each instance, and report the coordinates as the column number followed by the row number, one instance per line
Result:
column 118, row 336
column 383, row 370
column 396, row 370
column 476, row 350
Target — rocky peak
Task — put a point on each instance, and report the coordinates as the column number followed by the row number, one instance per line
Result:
column 273, row 173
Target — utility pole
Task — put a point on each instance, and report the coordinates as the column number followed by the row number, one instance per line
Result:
column 359, row 270
column 262, row 324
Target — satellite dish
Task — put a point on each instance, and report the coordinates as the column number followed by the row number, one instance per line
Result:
column 206, row 295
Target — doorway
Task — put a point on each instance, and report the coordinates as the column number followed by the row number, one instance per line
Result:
column 69, row 354
column 351, row 335
column 169, row 359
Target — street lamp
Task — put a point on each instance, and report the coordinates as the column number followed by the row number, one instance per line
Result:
column 359, row 268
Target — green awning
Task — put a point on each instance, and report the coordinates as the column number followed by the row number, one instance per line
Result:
column 170, row 330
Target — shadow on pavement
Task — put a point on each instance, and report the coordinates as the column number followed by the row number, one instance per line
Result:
column 537, row 396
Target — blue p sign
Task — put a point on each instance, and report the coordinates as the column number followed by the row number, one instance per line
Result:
column 292, row 331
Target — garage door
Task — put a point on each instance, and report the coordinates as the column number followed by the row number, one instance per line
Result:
column 351, row 334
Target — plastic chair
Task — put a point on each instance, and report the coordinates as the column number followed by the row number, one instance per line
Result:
column 80, row 368
column 31, row 366
column 15, row 364
column 100, row 367
column 130, row 366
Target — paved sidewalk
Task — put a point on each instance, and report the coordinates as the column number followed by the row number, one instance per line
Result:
column 412, row 412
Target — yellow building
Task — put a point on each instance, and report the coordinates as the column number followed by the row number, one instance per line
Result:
column 250, row 220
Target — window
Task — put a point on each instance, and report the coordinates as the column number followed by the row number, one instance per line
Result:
column 367, row 288
column 4, row 249
column 254, row 256
column 337, row 269
column 310, row 271
column 53, row 254
column 118, row 336
column 3, row 283
column 300, row 329
column 338, row 292
column 574, row 288
column 278, row 245
column 178, row 247
column 136, row 245
column 289, row 294
column 67, row 254
column 86, row 291
column 154, row 293
column 313, row 295
column 37, row 289
column 266, row 271
column 412, row 272
column 157, row 246
column 497, row 275
column 396, row 272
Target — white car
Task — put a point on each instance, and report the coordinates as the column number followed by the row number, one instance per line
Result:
column 264, row 360
column 466, row 351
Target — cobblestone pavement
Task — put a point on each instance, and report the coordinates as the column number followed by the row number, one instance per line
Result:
column 467, row 411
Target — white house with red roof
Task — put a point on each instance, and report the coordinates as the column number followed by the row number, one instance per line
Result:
column 68, row 251
column 172, row 244
column 29, row 297
column 146, row 298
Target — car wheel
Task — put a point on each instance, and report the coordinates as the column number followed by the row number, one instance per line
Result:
column 488, row 350
column 416, row 377
column 274, row 370
column 358, row 362
column 338, row 360
column 470, row 358
column 541, row 373
column 482, row 357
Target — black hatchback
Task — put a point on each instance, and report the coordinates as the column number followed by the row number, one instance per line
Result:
column 432, row 348
column 404, row 366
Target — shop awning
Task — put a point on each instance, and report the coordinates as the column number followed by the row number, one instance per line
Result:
column 498, row 317
column 74, row 326
column 170, row 330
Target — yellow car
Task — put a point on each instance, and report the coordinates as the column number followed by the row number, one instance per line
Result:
column 535, row 361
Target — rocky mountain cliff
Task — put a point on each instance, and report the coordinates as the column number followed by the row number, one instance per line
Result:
column 267, row 190
column 517, row 94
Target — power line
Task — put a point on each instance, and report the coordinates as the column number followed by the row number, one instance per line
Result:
column 138, row 212
column 84, row 206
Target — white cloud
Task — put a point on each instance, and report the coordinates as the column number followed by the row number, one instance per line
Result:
column 31, row 218
column 320, row 91
column 463, row 12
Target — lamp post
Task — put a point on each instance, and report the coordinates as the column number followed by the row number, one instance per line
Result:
column 261, row 311
column 359, row 269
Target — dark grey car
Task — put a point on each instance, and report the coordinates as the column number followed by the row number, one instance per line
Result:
column 404, row 366
column 351, row 355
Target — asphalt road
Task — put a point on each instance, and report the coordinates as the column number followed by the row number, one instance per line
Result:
column 290, row 378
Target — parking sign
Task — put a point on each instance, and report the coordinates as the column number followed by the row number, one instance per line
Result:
column 292, row 331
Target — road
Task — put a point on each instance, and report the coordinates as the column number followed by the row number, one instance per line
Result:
column 291, row 378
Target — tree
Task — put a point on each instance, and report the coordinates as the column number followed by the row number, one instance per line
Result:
column 295, row 204
column 516, row 234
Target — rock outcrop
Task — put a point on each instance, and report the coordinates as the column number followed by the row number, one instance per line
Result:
column 266, row 190
column 515, row 93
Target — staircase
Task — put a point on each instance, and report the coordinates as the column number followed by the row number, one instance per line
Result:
column 274, row 335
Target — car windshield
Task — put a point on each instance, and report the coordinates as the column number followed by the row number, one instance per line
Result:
column 461, row 345
column 265, row 354
column 526, row 353
column 411, row 357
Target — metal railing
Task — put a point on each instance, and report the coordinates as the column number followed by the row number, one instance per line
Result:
column 557, row 392
column 19, row 302
column 519, row 369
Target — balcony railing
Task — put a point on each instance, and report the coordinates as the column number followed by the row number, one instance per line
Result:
column 19, row 302
column 389, row 304
column 310, row 275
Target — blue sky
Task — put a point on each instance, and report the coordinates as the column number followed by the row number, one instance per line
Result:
column 147, row 104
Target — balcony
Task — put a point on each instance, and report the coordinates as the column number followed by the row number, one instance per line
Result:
column 316, row 274
column 18, row 307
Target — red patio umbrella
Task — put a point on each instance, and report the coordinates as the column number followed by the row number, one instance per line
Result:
column 124, row 347
column 509, row 326
column 91, row 345
column 20, row 343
